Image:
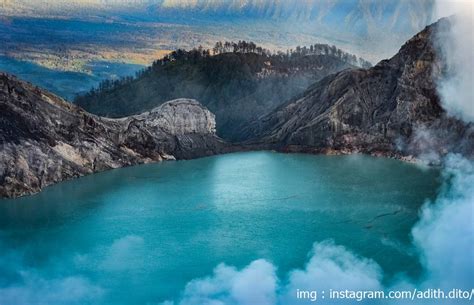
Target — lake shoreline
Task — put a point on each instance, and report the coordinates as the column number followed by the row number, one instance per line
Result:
column 237, row 148
column 191, row 216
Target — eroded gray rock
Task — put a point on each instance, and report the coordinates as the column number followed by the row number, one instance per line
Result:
column 44, row 140
column 392, row 109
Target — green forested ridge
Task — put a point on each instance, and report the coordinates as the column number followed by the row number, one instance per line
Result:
column 237, row 81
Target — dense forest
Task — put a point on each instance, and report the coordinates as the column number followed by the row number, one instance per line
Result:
column 316, row 49
column 238, row 81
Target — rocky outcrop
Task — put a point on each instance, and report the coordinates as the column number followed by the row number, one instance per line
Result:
column 44, row 139
column 236, row 86
column 391, row 109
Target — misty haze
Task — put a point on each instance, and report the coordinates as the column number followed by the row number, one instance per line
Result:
column 236, row 152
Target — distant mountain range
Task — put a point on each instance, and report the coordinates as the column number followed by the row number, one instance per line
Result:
column 358, row 16
column 392, row 109
column 362, row 14
column 358, row 26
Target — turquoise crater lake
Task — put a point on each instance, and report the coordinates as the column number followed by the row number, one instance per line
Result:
column 137, row 235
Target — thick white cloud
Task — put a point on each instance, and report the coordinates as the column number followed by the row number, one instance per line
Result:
column 444, row 238
column 445, row 233
column 332, row 267
column 456, row 90
column 255, row 284
column 34, row 289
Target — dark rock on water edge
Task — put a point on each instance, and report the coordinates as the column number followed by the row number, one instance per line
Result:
column 44, row 139
column 392, row 109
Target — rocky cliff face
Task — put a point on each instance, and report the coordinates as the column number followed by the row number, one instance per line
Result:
column 391, row 109
column 236, row 86
column 44, row 139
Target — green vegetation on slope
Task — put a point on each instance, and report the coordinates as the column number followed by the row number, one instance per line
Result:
column 238, row 82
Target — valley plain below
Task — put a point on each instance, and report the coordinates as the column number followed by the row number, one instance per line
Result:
column 175, row 152
column 67, row 84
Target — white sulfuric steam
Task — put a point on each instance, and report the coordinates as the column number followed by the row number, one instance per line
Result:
column 443, row 237
column 457, row 49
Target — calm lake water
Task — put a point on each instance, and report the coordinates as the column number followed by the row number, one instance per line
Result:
column 141, row 233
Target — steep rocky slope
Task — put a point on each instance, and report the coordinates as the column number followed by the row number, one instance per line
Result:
column 44, row 139
column 236, row 86
column 391, row 109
